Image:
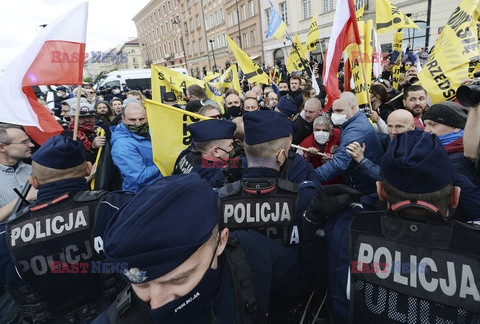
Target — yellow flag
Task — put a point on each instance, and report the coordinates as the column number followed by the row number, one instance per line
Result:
column 169, row 133
column 389, row 17
column 356, row 56
column 165, row 80
column 397, row 46
column 455, row 56
column 295, row 62
column 213, row 88
column 359, row 13
column 230, row 80
column 252, row 71
column 368, row 50
column 313, row 36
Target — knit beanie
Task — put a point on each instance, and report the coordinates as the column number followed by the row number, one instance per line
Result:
column 447, row 113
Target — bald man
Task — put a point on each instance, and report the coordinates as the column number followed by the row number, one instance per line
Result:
column 303, row 126
column 399, row 121
column 355, row 127
column 132, row 149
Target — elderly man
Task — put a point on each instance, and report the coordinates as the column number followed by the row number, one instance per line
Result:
column 355, row 127
column 132, row 149
column 303, row 126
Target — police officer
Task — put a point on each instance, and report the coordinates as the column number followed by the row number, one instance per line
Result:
column 263, row 200
column 412, row 263
column 191, row 269
column 212, row 154
column 49, row 251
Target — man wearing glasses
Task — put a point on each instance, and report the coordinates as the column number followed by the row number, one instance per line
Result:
column 15, row 146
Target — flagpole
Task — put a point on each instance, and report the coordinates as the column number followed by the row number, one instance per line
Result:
column 308, row 70
column 77, row 110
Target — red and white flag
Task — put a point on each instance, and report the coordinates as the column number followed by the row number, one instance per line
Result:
column 344, row 32
column 55, row 57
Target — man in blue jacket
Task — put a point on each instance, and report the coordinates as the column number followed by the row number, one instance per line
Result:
column 355, row 127
column 132, row 149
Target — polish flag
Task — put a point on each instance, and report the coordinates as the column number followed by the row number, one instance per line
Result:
column 344, row 32
column 55, row 57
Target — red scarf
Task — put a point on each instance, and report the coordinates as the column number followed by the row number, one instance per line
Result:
column 84, row 130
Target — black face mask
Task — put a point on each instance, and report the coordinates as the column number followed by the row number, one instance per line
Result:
column 235, row 111
column 283, row 93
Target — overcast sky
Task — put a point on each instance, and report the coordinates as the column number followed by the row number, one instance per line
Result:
column 109, row 23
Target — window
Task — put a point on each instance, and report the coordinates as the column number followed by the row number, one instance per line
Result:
column 252, row 8
column 307, row 9
column 278, row 55
column 170, row 47
column 243, row 11
column 221, row 15
column 283, row 12
column 189, row 49
column 414, row 36
column 230, row 19
column 164, row 10
column 182, row 7
column 207, row 25
column 175, row 46
column 215, row 18
column 245, row 40
column 165, row 49
column 254, row 37
column 235, row 17
column 192, row 26
column 189, row 4
column 327, row 5
column 267, row 16
column 175, row 3
column 194, row 47
column 200, row 44
column 169, row 5
column 197, row 18
column 185, row 26
column 360, row 4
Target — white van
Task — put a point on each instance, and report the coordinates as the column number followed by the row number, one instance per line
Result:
column 133, row 78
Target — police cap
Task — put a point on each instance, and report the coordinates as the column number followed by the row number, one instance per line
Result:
column 212, row 129
column 60, row 152
column 416, row 162
column 287, row 106
column 174, row 215
column 265, row 125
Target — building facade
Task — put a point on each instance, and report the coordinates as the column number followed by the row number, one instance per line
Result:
column 204, row 24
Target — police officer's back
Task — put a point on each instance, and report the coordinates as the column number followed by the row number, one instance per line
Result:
column 190, row 270
column 47, row 253
column 413, row 263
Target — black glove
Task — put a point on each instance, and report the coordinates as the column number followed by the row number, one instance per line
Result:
column 328, row 201
column 233, row 171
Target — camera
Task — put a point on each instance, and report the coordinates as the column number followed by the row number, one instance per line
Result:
column 469, row 95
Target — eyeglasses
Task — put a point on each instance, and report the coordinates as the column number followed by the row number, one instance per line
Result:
column 24, row 142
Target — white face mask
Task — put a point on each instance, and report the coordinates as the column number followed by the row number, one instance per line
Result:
column 338, row 119
column 321, row 137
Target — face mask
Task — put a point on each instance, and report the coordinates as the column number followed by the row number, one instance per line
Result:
column 283, row 92
column 338, row 119
column 116, row 91
column 141, row 130
column 231, row 154
column 321, row 137
column 235, row 111
column 194, row 307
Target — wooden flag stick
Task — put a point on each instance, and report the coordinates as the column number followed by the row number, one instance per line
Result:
column 77, row 112
column 306, row 149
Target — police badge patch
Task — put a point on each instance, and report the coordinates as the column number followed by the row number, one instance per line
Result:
column 135, row 275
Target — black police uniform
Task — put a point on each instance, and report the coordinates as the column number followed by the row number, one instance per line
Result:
column 49, row 252
column 403, row 270
column 252, row 270
column 264, row 202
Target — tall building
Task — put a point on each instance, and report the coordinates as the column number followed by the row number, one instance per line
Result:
column 219, row 55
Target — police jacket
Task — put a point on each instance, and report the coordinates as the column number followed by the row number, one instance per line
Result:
column 406, row 270
column 271, row 276
column 359, row 129
column 264, row 202
column 50, row 254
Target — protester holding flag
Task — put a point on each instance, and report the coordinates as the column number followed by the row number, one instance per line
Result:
column 132, row 149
